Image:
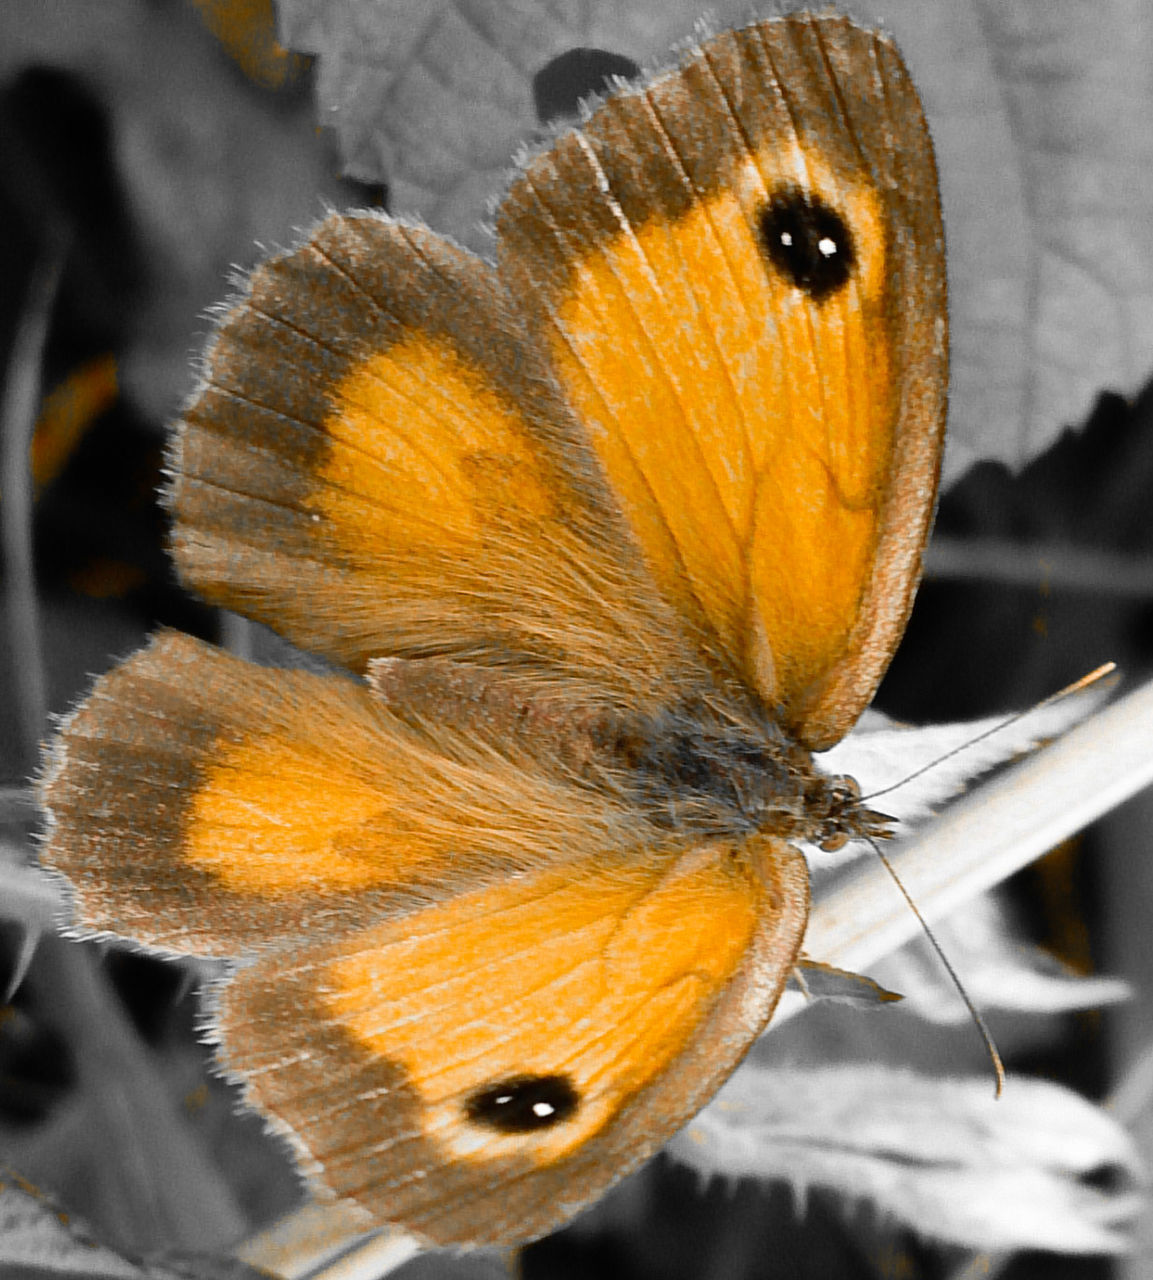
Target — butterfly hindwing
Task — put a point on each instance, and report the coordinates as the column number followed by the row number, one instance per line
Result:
column 283, row 804
column 509, row 1053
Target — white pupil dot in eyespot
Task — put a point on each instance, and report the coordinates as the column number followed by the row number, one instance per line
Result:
column 826, row 246
column 787, row 238
column 543, row 1109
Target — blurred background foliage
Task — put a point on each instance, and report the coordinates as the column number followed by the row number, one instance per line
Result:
column 147, row 149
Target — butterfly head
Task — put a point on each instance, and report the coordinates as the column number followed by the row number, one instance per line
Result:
column 841, row 816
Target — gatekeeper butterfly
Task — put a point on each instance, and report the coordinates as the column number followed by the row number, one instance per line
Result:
column 600, row 544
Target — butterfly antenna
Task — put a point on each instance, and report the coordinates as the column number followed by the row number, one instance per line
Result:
column 954, row 977
column 994, row 1056
column 1105, row 669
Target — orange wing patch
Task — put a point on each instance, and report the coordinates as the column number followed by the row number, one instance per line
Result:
column 748, row 419
column 581, row 987
column 417, row 493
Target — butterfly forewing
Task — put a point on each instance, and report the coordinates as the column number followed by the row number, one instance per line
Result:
column 721, row 263
column 377, row 464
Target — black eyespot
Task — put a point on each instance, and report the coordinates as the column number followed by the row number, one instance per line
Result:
column 561, row 84
column 523, row 1104
column 807, row 242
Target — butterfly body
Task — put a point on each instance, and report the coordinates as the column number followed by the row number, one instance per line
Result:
column 687, row 766
column 608, row 538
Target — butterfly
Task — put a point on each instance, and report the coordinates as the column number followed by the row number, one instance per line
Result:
column 597, row 545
